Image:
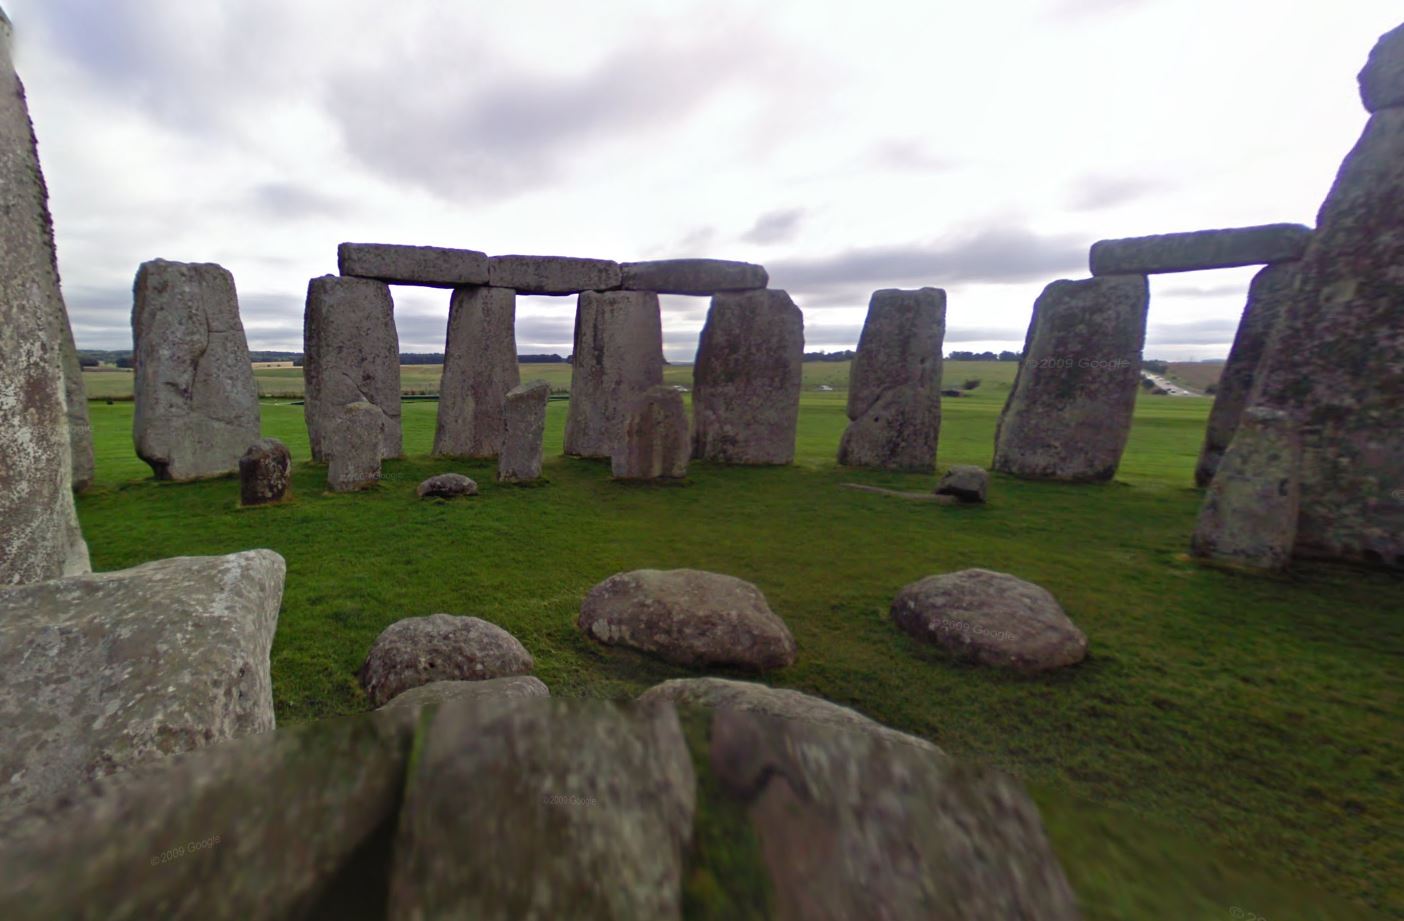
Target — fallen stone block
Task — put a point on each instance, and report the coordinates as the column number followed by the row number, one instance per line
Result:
column 265, row 473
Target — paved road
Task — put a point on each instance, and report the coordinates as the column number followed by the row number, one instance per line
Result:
column 1172, row 389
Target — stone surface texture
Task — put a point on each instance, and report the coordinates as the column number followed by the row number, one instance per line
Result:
column 552, row 274
column 441, row 647
column 1250, row 512
column 515, row 687
column 894, row 389
column 107, row 670
column 747, row 379
column 352, row 353
column 1382, row 79
column 991, row 618
column 966, row 482
column 698, row 277
column 39, row 534
column 352, row 442
column 577, row 810
column 480, row 366
column 447, row 486
column 80, row 429
column 524, row 426
column 688, row 617
column 1200, row 249
column 430, row 266
column 1268, row 296
column 1069, row 412
column 618, row 357
column 196, row 401
column 265, row 473
column 656, row 443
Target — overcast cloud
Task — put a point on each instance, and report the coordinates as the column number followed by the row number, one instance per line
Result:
column 980, row 148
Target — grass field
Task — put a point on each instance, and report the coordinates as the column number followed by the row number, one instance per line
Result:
column 1230, row 747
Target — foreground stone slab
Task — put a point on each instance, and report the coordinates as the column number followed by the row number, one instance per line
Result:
column 1382, row 79
column 746, row 380
column 430, row 266
column 1268, row 296
column 480, row 366
column 80, row 429
column 854, row 826
column 1069, row 412
column 618, row 356
column 991, row 618
column 517, row 687
column 688, row 617
column 552, row 274
column 352, row 444
column 524, row 424
column 265, row 473
column 894, row 390
column 1249, row 516
column 107, row 670
column 1200, row 249
column 39, row 535
column 656, row 443
column 698, row 277
column 440, row 647
column 352, row 353
column 577, row 811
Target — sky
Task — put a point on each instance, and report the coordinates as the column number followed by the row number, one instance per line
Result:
column 975, row 147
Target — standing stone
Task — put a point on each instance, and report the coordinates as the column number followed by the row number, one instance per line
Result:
column 39, row 535
column 480, row 366
column 265, row 473
column 894, row 390
column 1069, row 412
column 655, row 445
column 524, row 425
column 746, row 382
column 1249, row 516
column 80, row 429
column 1382, row 79
column 352, row 443
column 196, row 400
column 1268, row 296
column 351, row 353
column 618, row 356
column 1200, row 249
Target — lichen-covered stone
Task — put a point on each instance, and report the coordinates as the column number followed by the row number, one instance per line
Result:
column 966, row 482
column 1382, row 79
column 195, row 397
column 618, row 357
column 524, row 426
column 545, row 809
column 351, row 353
column 656, row 443
column 480, row 366
column 447, row 486
column 1200, row 249
column 697, row 277
column 1069, row 412
column 265, row 473
column 747, row 379
column 440, row 647
column 894, row 388
column 552, row 274
column 107, row 670
column 352, row 442
column 431, row 266
column 1249, row 516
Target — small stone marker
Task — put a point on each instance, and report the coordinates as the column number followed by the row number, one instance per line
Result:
column 440, row 647
column 480, row 366
column 447, row 486
column 1200, row 249
column 552, row 274
column 430, row 266
column 265, row 473
column 618, row 356
column 966, row 482
column 1249, row 516
column 524, row 415
column 656, row 443
column 353, row 442
column 697, row 277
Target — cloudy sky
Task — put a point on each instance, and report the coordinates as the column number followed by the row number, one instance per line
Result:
column 977, row 147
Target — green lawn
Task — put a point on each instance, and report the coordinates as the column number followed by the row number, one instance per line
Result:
column 1231, row 744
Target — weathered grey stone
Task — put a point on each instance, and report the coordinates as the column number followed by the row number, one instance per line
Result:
column 39, row 535
column 480, row 366
column 698, row 277
column 257, row 828
column 1272, row 289
column 726, row 694
column 688, row 617
column 552, row 274
column 1382, row 79
column 991, row 618
column 447, row 486
column 1200, row 249
column 656, row 443
column 966, row 482
column 747, row 379
column 894, row 398
column 352, row 443
column 1069, row 412
column 196, row 400
column 440, row 647
column 524, row 424
column 351, row 353
column 515, row 687
column 577, row 810
column 618, row 357
column 430, row 266
column 107, row 670
column 80, row 429
column 1250, row 512
column 1335, row 361
column 853, row 826
column 265, row 473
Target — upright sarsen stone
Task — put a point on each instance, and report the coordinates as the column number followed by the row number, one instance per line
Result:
column 1249, row 516
column 746, row 382
column 1069, row 412
column 655, row 445
column 480, row 366
column 524, row 424
column 894, row 389
column 196, row 400
column 352, row 443
column 80, row 429
column 618, row 356
column 351, row 353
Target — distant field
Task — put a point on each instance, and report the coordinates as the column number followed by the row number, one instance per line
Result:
column 1196, row 375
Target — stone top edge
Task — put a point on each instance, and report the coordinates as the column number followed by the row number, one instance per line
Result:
column 1285, row 227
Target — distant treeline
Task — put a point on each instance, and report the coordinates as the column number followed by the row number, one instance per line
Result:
column 984, row 356
column 845, row 355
